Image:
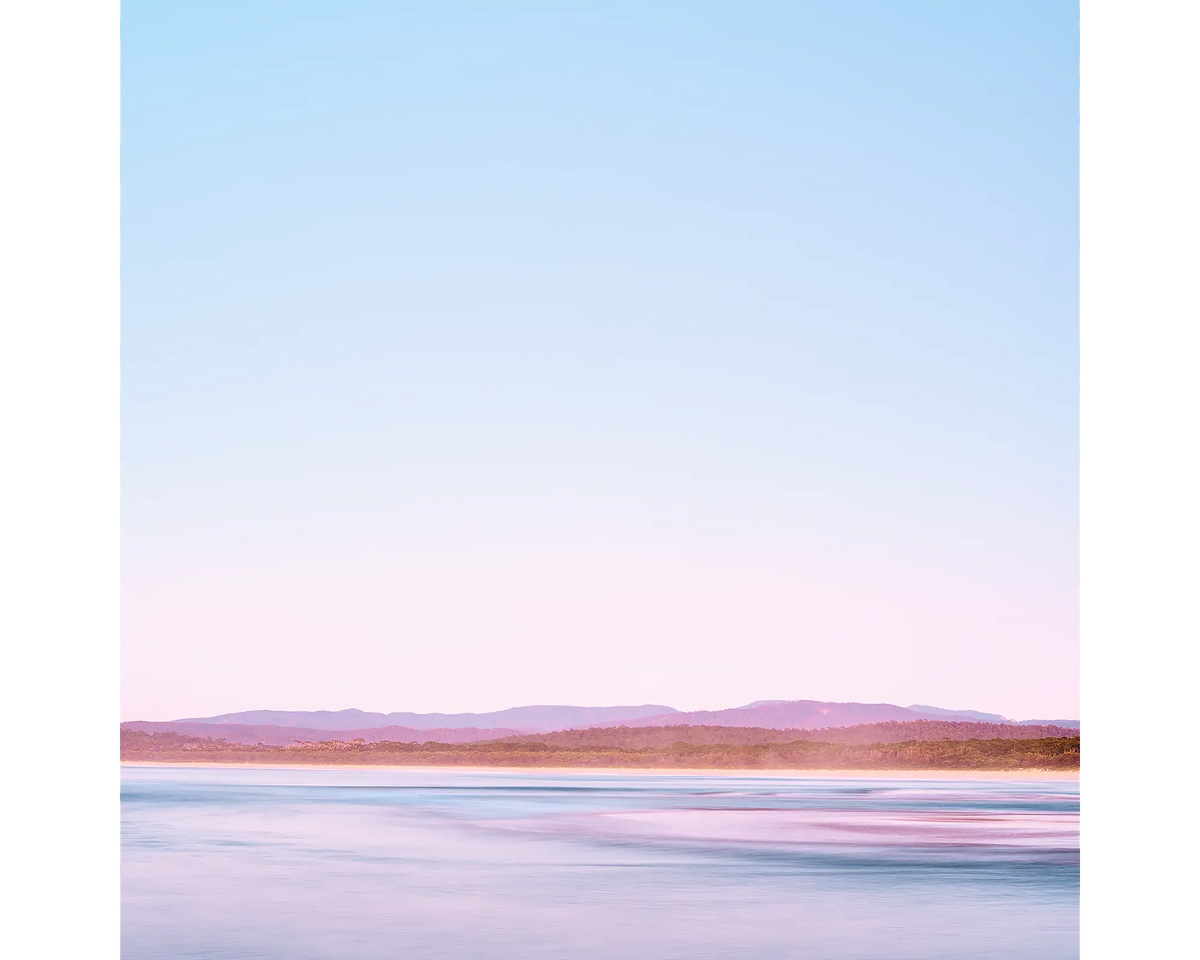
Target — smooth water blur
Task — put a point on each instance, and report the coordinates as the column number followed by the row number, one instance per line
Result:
column 304, row 863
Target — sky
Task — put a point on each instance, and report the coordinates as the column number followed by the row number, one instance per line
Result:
column 477, row 355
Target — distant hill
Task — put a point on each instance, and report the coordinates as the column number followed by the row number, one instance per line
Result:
column 959, row 714
column 808, row 714
column 1073, row 724
column 283, row 736
column 281, row 727
column 990, row 717
column 536, row 719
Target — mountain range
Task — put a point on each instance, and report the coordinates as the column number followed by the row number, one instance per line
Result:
column 282, row 727
column 539, row 719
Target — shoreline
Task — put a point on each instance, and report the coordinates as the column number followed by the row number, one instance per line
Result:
column 790, row 774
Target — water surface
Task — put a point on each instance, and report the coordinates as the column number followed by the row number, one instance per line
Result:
column 241, row 863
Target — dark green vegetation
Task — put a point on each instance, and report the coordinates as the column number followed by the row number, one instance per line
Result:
column 729, row 748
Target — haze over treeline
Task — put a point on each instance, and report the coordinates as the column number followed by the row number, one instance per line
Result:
column 283, row 727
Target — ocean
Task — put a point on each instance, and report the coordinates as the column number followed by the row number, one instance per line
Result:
column 240, row 863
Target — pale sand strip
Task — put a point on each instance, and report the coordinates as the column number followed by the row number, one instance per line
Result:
column 796, row 774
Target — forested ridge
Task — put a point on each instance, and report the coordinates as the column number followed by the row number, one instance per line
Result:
column 647, row 747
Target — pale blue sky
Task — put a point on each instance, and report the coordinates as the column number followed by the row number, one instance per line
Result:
column 600, row 289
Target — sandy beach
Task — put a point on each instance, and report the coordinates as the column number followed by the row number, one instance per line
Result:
column 798, row 774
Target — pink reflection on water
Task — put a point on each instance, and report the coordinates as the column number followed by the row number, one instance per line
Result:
column 1056, row 830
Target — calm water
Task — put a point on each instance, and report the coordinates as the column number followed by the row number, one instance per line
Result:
column 247, row 863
